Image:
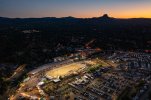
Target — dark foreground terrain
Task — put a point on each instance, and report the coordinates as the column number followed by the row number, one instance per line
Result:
column 33, row 40
column 28, row 42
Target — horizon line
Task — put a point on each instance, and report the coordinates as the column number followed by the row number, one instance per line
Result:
column 74, row 17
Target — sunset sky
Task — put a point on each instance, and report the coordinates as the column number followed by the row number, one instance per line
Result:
column 75, row 8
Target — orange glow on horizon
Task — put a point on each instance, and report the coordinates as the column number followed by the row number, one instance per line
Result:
column 131, row 11
column 118, row 15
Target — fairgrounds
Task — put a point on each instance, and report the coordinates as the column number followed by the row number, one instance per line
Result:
column 64, row 70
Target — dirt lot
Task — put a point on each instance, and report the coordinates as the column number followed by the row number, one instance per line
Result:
column 65, row 70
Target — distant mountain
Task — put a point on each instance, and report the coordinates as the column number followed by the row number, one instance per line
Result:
column 103, row 24
column 105, row 17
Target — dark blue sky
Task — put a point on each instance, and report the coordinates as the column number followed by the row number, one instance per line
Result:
column 76, row 8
